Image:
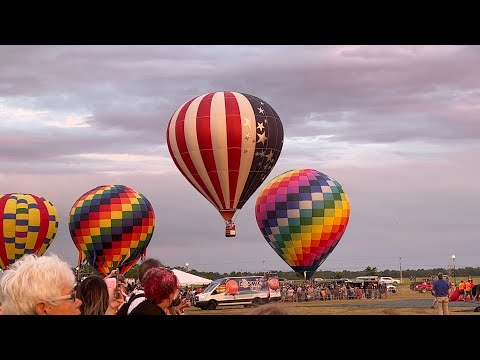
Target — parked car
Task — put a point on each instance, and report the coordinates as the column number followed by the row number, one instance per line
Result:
column 392, row 288
column 389, row 280
column 423, row 287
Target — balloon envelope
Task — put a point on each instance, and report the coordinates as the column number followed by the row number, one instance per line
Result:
column 225, row 144
column 112, row 225
column 28, row 225
column 273, row 283
column 302, row 214
column 231, row 287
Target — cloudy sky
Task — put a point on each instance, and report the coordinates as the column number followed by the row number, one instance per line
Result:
column 397, row 126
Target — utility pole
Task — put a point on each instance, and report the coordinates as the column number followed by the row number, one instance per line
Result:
column 401, row 280
column 454, row 275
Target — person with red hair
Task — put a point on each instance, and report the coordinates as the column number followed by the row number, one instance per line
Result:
column 161, row 289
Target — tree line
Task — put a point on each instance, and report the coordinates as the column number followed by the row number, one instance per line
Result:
column 325, row 274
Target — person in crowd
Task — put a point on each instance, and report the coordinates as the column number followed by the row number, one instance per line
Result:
column 440, row 290
column 138, row 294
column 269, row 309
column 468, row 290
column 461, row 289
column 39, row 286
column 93, row 292
column 116, row 289
column 161, row 288
column 178, row 304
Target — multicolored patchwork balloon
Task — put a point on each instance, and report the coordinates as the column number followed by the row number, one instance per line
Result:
column 303, row 214
column 225, row 144
column 28, row 225
column 112, row 225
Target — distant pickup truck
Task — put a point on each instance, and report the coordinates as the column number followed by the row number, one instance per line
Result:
column 388, row 280
column 423, row 286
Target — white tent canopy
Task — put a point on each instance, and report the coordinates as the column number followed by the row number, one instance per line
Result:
column 190, row 279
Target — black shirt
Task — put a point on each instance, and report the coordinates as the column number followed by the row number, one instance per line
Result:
column 147, row 307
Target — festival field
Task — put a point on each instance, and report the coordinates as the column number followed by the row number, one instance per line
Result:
column 404, row 302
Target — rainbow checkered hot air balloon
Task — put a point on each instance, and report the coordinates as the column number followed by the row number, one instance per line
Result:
column 303, row 215
column 225, row 144
column 28, row 225
column 112, row 225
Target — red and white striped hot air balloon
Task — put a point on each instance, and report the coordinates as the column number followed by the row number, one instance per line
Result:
column 225, row 144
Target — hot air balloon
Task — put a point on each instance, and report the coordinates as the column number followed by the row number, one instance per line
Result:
column 274, row 283
column 112, row 225
column 302, row 214
column 225, row 144
column 231, row 287
column 28, row 225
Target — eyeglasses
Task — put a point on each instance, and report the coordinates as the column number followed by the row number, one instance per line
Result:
column 72, row 296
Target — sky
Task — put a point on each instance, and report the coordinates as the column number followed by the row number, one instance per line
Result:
column 397, row 126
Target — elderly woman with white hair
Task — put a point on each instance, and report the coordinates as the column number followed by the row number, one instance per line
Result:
column 39, row 286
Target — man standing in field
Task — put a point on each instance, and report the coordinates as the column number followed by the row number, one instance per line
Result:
column 468, row 290
column 440, row 290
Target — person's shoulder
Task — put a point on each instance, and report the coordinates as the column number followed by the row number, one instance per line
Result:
column 147, row 308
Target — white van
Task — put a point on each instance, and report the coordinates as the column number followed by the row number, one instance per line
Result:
column 252, row 291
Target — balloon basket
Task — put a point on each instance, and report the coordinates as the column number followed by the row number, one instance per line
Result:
column 230, row 231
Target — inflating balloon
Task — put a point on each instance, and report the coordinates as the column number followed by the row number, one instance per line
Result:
column 225, row 144
column 112, row 226
column 28, row 225
column 231, row 287
column 303, row 215
column 273, row 283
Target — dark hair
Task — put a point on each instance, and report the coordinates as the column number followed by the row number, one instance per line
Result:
column 147, row 265
column 93, row 292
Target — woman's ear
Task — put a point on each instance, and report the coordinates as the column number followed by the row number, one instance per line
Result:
column 41, row 308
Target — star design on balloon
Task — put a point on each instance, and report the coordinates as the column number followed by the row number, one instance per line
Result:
column 261, row 138
column 260, row 126
column 269, row 156
column 245, row 150
column 261, row 111
column 247, row 123
column 247, row 136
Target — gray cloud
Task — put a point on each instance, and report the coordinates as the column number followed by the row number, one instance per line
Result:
column 396, row 125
